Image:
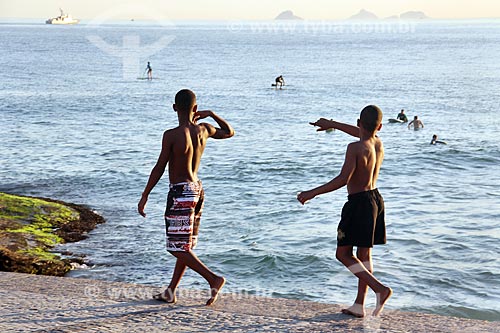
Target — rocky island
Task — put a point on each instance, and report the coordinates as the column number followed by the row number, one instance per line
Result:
column 364, row 15
column 413, row 15
column 287, row 15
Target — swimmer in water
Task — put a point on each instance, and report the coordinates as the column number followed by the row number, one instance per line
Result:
column 436, row 141
column 417, row 123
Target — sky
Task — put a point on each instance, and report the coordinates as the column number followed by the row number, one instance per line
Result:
column 244, row 10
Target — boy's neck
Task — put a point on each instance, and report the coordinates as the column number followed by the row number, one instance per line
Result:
column 365, row 135
column 185, row 119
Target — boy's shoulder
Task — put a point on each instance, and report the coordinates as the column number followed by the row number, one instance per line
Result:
column 171, row 131
column 179, row 129
column 354, row 147
column 375, row 141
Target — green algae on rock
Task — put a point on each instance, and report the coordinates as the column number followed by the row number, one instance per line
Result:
column 31, row 227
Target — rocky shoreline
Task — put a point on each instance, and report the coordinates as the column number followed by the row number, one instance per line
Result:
column 31, row 228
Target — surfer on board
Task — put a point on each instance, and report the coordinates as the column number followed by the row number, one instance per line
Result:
column 401, row 116
column 280, row 82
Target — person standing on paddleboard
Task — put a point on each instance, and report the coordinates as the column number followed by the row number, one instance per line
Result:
column 149, row 71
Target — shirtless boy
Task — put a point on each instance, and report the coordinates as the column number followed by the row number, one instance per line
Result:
column 182, row 148
column 362, row 223
column 417, row 123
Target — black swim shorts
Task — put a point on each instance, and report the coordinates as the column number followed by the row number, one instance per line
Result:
column 363, row 220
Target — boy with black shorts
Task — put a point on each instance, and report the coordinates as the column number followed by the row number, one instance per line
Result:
column 182, row 148
column 362, row 222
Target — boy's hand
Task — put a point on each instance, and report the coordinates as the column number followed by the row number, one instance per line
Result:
column 142, row 205
column 305, row 196
column 202, row 114
column 323, row 124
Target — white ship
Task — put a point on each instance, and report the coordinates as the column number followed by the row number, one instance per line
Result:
column 62, row 19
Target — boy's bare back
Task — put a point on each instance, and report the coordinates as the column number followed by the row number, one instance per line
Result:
column 367, row 154
column 185, row 146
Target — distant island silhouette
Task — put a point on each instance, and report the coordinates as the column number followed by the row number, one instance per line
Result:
column 414, row 15
column 365, row 15
column 287, row 15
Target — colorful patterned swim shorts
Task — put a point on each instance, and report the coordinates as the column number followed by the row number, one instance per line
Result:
column 183, row 214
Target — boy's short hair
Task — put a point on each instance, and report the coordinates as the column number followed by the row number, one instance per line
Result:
column 185, row 99
column 371, row 117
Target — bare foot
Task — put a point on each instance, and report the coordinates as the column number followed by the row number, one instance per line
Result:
column 356, row 310
column 381, row 300
column 166, row 296
column 215, row 288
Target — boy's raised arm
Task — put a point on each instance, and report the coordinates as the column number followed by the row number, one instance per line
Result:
column 224, row 132
column 325, row 124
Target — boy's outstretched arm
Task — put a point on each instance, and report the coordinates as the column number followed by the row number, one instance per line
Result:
column 325, row 124
column 341, row 180
column 224, row 132
column 156, row 173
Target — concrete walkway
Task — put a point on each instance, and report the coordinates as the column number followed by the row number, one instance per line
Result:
column 31, row 303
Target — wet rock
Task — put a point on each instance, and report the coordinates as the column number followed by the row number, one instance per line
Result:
column 31, row 227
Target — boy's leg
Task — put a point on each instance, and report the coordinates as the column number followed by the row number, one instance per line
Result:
column 344, row 255
column 192, row 261
column 168, row 295
column 365, row 256
column 358, row 308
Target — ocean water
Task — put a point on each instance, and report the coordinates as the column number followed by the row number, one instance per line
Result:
column 77, row 125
